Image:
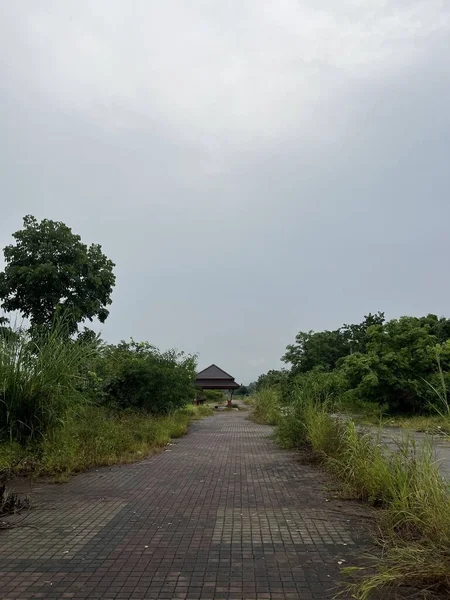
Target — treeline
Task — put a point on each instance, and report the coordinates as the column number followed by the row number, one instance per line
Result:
column 401, row 364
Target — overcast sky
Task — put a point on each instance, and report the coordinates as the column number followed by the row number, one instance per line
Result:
column 253, row 167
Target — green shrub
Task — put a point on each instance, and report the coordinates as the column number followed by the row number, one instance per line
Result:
column 138, row 376
column 305, row 420
column 213, row 396
column 402, row 363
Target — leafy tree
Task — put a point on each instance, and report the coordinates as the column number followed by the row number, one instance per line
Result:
column 49, row 270
column 316, row 349
column 356, row 335
column 272, row 378
column 403, row 363
column 325, row 349
column 439, row 327
column 400, row 364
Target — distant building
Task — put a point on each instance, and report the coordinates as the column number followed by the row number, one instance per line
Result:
column 214, row 378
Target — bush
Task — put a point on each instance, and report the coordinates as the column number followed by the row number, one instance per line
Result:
column 213, row 396
column 403, row 363
column 138, row 376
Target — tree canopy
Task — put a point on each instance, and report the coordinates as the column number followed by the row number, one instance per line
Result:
column 326, row 348
column 402, row 363
column 49, row 271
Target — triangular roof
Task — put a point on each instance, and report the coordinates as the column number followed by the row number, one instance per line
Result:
column 214, row 372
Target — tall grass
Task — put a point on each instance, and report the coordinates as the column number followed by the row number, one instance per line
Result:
column 96, row 437
column 40, row 378
column 441, row 404
column 414, row 520
column 266, row 407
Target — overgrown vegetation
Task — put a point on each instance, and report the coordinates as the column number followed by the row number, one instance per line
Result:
column 215, row 396
column 266, row 407
column 97, row 437
column 414, row 520
column 67, row 405
column 40, row 381
column 68, row 401
column 381, row 372
column 396, row 367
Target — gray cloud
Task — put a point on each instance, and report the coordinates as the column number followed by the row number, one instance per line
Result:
column 253, row 168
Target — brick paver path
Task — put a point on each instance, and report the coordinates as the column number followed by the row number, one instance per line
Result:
column 221, row 514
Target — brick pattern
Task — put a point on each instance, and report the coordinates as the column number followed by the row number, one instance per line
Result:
column 221, row 514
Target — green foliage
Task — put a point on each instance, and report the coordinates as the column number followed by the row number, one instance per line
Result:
column 271, row 379
column 49, row 270
column 402, row 364
column 40, row 379
column 142, row 377
column 46, row 378
column 266, row 406
column 97, row 436
column 324, row 386
column 316, row 349
column 325, row 349
column 212, row 395
column 242, row 391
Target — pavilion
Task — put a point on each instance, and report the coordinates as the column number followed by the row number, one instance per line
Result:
column 214, row 378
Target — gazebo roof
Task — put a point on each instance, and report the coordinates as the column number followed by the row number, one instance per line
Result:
column 214, row 372
column 213, row 377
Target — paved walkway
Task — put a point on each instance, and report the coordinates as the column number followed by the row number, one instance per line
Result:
column 221, row 514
